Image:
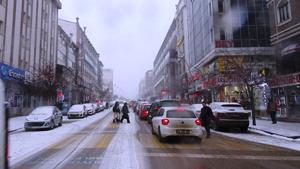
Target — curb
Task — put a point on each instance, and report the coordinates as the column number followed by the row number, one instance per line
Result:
column 275, row 134
column 11, row 131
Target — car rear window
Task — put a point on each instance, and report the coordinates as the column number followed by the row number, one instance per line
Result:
column 147, row 107
column 170, row 104
column 231, row 105
column 180, row 114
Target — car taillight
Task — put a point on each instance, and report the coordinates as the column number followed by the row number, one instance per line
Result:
column 146, row 112
column 165, row 122
column 198, row 122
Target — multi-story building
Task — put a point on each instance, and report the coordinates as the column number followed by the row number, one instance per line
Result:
column 182, row 49
column 285, row 38
column 66, row 68
column 108, row 84
column 99, row 87
column 224, row 29
column 28, row 44
column 146, row 86
column 165, row 65
column 142, row 87
column 87, row 63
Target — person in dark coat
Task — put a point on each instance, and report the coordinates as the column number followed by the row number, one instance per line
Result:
column 206, row 116
column 125, row 112
column 117, row 112
column 271, row 109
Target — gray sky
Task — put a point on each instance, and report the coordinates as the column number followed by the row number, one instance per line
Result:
column 126, row 33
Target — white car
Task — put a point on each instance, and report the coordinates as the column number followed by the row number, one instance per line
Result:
column 90, row 108
column 229, row 114
column 77, row 111
column 43, row 117
column 174, row 121
column 196, row 108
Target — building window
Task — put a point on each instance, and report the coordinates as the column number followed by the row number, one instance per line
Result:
column 211, row 35
column 222, row 34
column 283, row 11
column 221, row 6
column 1, row 28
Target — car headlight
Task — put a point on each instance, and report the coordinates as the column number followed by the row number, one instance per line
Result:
column 48, row 119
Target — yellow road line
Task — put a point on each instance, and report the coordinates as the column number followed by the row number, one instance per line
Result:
column 104, row 141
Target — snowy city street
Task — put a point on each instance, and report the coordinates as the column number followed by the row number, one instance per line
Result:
column 96, row 142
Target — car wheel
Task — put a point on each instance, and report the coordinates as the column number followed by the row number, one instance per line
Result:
column 52, row 125
column 244, row 129
column 160, row 138
column 215, row 126
column 152, row 130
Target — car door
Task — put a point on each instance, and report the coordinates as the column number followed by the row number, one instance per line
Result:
column 156, row 119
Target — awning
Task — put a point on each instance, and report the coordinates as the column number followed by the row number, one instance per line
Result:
column 293, row 48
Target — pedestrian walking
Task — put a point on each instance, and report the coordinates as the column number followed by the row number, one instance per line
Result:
column 206, row 116
column 271, row 110
column 125, row 112
column 117, row 112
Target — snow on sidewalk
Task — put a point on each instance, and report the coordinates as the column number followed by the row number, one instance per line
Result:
column 16, row 123
column 23, row 144
column 281, row 129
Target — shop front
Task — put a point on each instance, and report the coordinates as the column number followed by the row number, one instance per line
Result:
column 14, row 87
column 286, row 91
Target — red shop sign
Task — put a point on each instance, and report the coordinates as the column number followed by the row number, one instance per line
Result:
column 285, row 80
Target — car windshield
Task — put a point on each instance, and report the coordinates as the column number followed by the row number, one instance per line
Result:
column 180, row 114
column 42, row 111
column 76, row 108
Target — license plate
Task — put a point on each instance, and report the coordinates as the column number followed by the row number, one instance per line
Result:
column 183, row 131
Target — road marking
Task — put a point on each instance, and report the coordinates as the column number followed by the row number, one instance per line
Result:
column 233, row 157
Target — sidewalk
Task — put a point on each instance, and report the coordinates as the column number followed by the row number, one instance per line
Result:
column 287, row 130
column 16, row 123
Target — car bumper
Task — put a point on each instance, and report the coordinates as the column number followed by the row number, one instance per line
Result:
column 232, row 123
column 75, row 116
column 37, row 125
column 196, row 132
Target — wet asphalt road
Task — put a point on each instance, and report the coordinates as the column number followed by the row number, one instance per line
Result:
column 112, row 146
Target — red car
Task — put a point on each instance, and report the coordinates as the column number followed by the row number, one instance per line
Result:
column 144, row 110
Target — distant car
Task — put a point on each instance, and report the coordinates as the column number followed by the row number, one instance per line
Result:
column 176, row 121
column 229, row 115
column 44, row 117
column 155, row 106
column 77, row 111
column 197, row 108
column 144, row 110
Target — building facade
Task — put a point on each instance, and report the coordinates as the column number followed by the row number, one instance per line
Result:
column 66, row 68
column 220, row 30
column 165, row 66
column 108, row 84
column 87, row 61
column 285, row 38
column 28, row 46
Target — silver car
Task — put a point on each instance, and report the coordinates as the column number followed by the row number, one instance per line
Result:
column 44, row 117
column 173, row 121
column 77, row 111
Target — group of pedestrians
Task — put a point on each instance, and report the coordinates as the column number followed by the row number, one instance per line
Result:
column 120, row 115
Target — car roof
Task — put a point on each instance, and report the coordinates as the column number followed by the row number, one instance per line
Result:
column 222, row 103
column 175, row 108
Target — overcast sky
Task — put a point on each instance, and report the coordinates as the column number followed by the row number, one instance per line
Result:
column 126, row 33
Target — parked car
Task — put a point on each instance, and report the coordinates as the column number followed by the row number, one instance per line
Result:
column 229, row 115
column 77, row 111
column 43, row 117
column 90, row 108
column 196, row 108
column 155, row 106
column 144, row 110
column 176, row 121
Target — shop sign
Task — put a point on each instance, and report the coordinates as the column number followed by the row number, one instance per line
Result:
column 286, row 80
column 10, row 73
column 221, row 80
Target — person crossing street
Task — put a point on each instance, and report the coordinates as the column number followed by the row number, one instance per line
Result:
column 206, row 116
